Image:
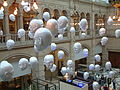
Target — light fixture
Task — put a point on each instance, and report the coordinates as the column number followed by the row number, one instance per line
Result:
column 2, row 8
column 35, row 5
column 5, row 4
column 15, row 11
column 116, row 17
column 22, row 2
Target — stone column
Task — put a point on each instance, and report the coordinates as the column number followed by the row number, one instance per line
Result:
column 6, row 23
column 92, row 30
column 20, row 20
column 104, row 55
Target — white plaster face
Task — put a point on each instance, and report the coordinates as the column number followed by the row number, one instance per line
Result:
column 6, row 71
column 1, row 32
column 96, row 86
column 102, row 31
column 35, row 24
column 43, row 38
column 91, row 67
column 83, row 35
column 62, row 24
column 104, row 41
column 70, row 71
column 108, row 65
column 52, row 25
column 70, row 63
column 53, row 68
column 60, row 36
column 23, row 63
column 33, row 62
column 97, row 58
column 97, row 67
column 48, row 61
column 26, row 8
column 53, row 46
column 111, row 74
column 117, row 33
column 110, row 21
column 86, row 75
column 77, row 47
column 1, row 14
column 10, row 44
column 83, row 24
column 12, row 17
column 30, row 34
column 21, row 33
column 85, row 52
column 64, row 70
column 36, row 50
column 72, row 29
column 61, row 54
column 46, row 16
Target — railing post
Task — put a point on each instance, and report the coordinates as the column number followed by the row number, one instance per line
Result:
column 46, row 87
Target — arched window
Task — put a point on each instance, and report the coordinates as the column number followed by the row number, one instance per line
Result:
column 82, row 15
column 56, row 14
column 88, row 20
column 64, row 13
column 13, row 25
column 95, row 22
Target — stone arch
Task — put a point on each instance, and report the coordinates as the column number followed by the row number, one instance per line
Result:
column 88, row 20
column 64, row 13
column 55, row 14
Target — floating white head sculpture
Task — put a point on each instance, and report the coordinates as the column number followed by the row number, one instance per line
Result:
column 64, row 70
column 6, row 71
column 70, row 71
column 1, row 32
column 23, row 63
column 60, row 36
column 117, row 33
column 48, row 61
column 69, row 63
column 31, row 34
column 53, row 68
column 108, row 65
column 36, row 50
column 77, row 47
column 83, row 35
column 91, row 67
column 85, row 52
column 43, row 38
column 53, row 46
column 110, row 21
column 1, row 14
column 52, row 25
column 97, row 67
column 62, row 24
column 111, row 74
column 26, row 8
column 83, row 24
column 33, row 61
column 96, row 86
column 97, row 58
column 104, row 41
column 86, row 75
column 72, row 29
column 12, row 17
column 35, row 24
column 61, row 54
column 102, row 31
column 10, row 44
column 21, row 33
column 46, row 16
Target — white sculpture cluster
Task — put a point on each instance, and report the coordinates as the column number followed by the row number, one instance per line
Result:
column 110, row 21
column 72, row 29
column 33, row 61
column 49, row 62
column 102, row 31
column 1, row 14
column 97, row 58
column 61, row 54
column 69, row 69
column 23, row 63
column 1, row 32
column 6, row 71
column 46, row 16
column 53, row 46
column 85, row 52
